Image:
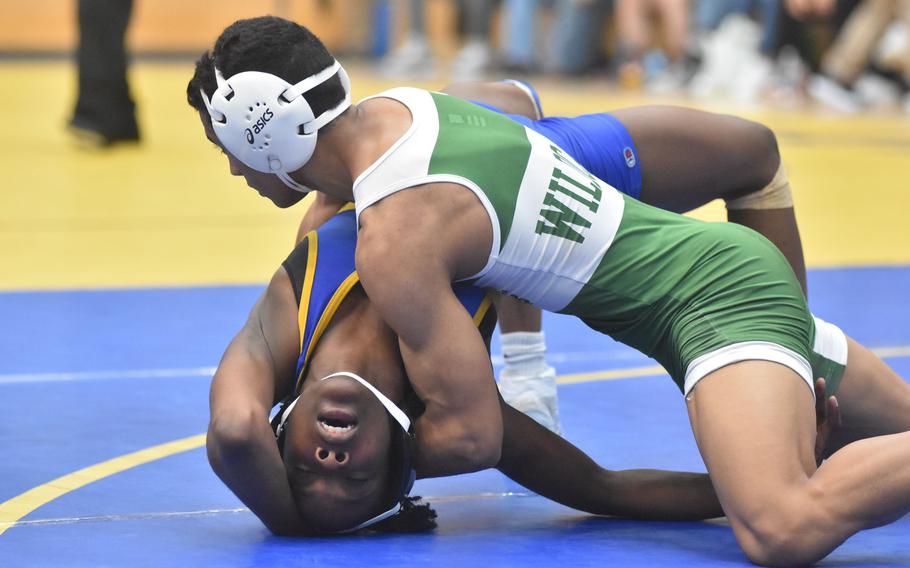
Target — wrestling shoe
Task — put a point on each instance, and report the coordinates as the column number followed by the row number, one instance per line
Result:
column 534, row 394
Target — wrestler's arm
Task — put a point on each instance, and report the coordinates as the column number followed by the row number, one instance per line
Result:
column 554, row 468
column 256, row 367
column 549, row 465
column 444, row 355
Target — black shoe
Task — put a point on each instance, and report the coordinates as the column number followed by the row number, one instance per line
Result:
column 89, row 134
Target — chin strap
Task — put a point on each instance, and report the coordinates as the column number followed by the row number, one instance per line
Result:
column 289, row 181
column 393, row 409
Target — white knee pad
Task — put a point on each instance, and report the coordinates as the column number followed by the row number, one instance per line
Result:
column 775, row 195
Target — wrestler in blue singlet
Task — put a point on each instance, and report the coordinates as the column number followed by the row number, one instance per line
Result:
column 599, row 142
column 322, row 273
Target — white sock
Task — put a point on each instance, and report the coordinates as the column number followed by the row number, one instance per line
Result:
column 527, row 383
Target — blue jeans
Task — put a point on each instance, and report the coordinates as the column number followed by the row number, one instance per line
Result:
column 576, row 34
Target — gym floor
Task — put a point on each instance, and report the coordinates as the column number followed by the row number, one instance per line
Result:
column 125, row 273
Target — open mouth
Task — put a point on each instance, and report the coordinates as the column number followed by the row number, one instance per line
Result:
column 337, row 425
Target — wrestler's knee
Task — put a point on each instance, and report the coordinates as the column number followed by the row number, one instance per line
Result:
column 766, row 185
column 764, row 156
column 795, row 530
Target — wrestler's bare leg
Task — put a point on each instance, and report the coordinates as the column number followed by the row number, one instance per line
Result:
column 502, row 95
column 873, row 399
column 690, row 157
column 754, row 425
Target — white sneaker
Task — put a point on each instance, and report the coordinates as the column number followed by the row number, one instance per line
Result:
column 671, row 79
column 473, row 61
column 728, row 54
column 412, row 59
column 832, row 94
column 754, row 80
column 533, row 394
column 876, row 91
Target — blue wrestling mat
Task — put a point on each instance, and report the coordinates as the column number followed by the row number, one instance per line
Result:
column 103, row 396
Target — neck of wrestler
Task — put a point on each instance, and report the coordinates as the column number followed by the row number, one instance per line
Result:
column 331, row 168
column 357, row 340
column 354, row 140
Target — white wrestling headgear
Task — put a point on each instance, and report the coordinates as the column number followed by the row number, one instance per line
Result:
column 267, row 123
column 407, row 473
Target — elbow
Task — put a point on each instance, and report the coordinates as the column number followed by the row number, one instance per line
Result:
column 481, row 450
column 286, row 530
column 489, row 453
column 457, row 454
column 487, row 441
column 451, row 447
column 230, row 438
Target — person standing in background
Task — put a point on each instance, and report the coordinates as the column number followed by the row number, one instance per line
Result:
column 852, row 53
column 414, row 57
column 636, row 34
column 570, row 46
column 105, row 113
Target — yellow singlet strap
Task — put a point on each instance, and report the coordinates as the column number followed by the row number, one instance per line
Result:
column 308, row 277
column 334, row 302
column 483, row 308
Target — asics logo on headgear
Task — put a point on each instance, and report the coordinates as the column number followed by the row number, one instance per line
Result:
column 266, row 123
column 258, row 125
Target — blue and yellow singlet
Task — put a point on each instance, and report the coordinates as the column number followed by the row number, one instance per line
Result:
column 322, row 272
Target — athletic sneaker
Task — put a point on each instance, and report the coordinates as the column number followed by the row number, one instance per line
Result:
column 473, row 61
column 833, row 94
column 673, row 78
column 876, row 91
column 412, row 59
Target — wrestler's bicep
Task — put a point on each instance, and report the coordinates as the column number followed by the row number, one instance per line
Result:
column 245, row 356
column 280, row 330
column 257, row 365
column 444, row 354
column 417, row 301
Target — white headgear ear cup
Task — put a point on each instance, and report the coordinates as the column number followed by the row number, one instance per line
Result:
column 214, row 115
column 267, row 123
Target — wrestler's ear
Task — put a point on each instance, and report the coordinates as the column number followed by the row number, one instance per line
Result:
column 279, row 421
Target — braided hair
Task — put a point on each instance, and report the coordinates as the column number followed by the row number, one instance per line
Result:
column 413, row 517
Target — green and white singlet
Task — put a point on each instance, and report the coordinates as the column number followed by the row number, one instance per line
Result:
column 695, row 296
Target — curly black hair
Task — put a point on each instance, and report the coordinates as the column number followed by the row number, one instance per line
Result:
column 271, row 45
column 413, row 517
